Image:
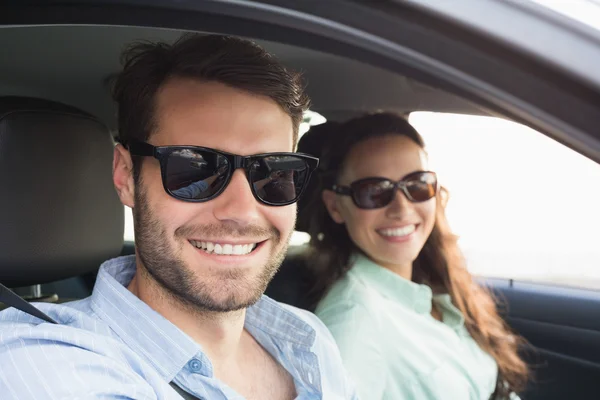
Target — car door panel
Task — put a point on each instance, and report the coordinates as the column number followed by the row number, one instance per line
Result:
column 562, row 328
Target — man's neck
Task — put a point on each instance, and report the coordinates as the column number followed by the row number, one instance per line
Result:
column 219, row 334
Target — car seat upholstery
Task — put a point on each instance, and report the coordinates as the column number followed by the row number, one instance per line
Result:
column 60, row 214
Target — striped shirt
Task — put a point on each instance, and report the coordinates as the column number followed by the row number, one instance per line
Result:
column 112, row 345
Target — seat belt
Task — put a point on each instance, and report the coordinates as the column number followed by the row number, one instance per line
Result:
column 183, row 393
column 11, row 299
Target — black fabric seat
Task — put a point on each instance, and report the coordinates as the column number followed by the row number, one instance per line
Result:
column 60, row 216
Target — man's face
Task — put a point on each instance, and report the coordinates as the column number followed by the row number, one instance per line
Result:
column 212, row 115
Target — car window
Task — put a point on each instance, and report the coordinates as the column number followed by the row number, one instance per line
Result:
column 525, row 206
column 585, row 11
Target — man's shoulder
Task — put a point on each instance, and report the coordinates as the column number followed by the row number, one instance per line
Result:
column 77, row 326
column 72, row 313
column 80, row 346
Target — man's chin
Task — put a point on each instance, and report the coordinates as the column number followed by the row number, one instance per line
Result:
column 203, row 284
column 226, row 290
column 222, row 302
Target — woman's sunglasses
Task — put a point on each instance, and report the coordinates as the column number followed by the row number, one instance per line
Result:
column 371, row 193
column 198, row 174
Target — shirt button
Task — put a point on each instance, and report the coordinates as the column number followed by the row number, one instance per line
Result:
column 195, row 365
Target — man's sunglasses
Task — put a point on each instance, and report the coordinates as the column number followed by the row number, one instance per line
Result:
column 198, row 174
column 371, row 193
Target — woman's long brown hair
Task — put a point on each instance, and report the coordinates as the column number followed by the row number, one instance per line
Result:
column 440, row 264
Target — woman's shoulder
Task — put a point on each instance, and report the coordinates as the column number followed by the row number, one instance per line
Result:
column 348, row 296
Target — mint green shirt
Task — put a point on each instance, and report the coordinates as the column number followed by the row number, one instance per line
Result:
column 391, row 345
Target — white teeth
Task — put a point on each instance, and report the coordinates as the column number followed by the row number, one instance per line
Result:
column 224, row 249
column 399, row 232
column 238, row 249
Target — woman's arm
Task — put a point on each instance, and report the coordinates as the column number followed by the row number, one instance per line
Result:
column 355, row 333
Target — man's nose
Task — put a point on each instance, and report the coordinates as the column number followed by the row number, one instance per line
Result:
column 237, row 203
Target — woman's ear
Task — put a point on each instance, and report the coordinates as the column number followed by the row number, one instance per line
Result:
column 331, row 204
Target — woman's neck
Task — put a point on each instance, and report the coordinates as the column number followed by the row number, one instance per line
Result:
column 403, row 270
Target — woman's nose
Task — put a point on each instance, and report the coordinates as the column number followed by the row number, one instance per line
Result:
column 399, row 206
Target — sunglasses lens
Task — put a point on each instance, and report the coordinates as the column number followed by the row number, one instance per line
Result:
column 373, row 193
column 279, row 180
column 195, row 175
column 421, row 186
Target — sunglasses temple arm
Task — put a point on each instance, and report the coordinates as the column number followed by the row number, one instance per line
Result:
column 342, row 190
column 141, row 148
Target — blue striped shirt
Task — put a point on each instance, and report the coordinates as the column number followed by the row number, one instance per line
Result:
column 112, row 345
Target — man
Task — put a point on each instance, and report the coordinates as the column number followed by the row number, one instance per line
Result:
column 186, row 313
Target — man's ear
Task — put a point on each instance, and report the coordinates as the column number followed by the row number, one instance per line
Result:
column 331, row 204
column 123, row 175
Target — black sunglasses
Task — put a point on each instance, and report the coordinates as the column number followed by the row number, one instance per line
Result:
column 371, row 193
column 198, row 174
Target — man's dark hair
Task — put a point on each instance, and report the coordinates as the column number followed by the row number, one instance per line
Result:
column 232, row 61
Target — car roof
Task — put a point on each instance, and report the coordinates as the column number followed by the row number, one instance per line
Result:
column 78, row 62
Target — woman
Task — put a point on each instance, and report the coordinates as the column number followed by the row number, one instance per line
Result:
column 408, row 318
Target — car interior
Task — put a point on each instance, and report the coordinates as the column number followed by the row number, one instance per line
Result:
column 61, row 218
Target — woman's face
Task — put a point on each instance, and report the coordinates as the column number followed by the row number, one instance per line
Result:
column 394, row 235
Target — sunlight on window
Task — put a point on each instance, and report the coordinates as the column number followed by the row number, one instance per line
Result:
column 310, row 118
column 128, row 234
column 299, row 238
column 524, row 206
column 585, row 11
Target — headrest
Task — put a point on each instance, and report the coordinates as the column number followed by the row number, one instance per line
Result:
column 313, row 143
column 59, row 213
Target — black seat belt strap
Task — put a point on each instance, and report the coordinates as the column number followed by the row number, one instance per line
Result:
column 183, row 393
column 11, row 299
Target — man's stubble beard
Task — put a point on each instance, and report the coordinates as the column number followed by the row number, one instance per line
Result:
column 178, row 282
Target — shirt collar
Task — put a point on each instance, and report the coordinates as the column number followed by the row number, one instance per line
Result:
column 163, row 344
column 415, row 296
column 271, row 318
column 146, row 332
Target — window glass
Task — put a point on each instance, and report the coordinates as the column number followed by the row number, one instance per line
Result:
column 525, row 206
column 128, row 235
column 584, row 11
